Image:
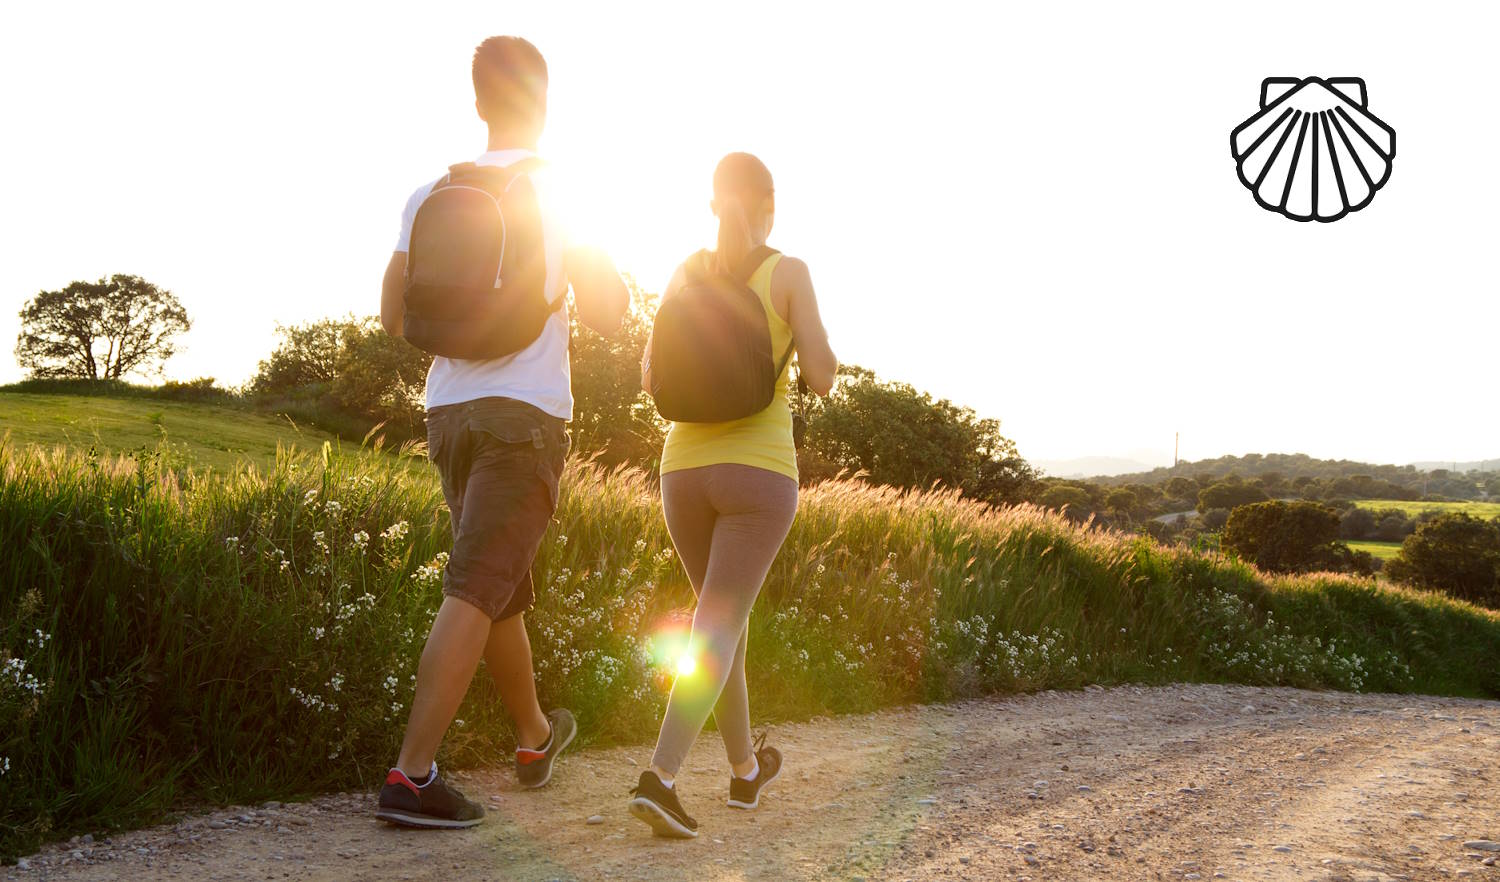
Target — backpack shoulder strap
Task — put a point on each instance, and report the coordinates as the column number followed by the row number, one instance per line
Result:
column 494, row 179
column 753, row 261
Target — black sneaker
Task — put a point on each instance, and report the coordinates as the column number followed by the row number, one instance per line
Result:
column 657, row 804
column 433, row 804
column 534, row 767
column 745, row 794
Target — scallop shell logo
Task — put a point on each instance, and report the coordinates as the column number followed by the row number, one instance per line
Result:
column 1313, row 152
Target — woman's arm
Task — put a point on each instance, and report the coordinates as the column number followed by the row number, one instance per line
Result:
column 815, row 358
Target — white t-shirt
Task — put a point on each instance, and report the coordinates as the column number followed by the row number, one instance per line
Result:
column 540, row 374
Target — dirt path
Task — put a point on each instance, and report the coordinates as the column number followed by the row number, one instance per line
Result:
column 1187, row 782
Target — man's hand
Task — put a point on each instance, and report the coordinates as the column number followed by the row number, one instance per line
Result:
column 392, row 289
column 598, row 290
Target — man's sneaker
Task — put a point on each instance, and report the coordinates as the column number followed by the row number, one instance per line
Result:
column 745, row 794
column 534, row 767
column 657, row 804
column 433, row 804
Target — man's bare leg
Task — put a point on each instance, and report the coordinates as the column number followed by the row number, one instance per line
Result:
column 508, row 656
column 447, row 667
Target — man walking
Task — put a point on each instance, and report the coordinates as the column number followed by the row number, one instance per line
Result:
column 479, row 278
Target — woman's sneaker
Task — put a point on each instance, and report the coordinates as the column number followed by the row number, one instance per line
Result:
column 534, row 767
column 745, row 793
column 433, row 804
column 657, row 804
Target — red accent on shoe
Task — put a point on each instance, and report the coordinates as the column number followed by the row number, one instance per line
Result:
column 396, row 776
column 526, row 756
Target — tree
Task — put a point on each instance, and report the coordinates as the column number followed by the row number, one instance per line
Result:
column 1183, row 489
column 1393, row 528
column 899, row 436
column 347, row 375
column 1455, row 553
column 1121, row 502
column 612, row 416
column 1291, row 537
column 1214, row 519
column 308, row 355
column 1066, row 497
column 1230, row 495
column 100, row 330
column 1357, row 523
column 381, row 376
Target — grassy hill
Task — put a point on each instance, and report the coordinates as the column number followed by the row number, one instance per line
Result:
column 1381, row 550
column 204, row 435
column 169, row 636
column 1413, row 508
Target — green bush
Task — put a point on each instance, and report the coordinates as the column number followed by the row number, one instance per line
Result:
column 1455, row 553
column 1292, row 537
column 167, row 637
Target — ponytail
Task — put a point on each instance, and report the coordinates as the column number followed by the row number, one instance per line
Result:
column 742, row 184
column 735, row 241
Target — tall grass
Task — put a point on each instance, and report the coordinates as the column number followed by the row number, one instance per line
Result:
column 168, row 637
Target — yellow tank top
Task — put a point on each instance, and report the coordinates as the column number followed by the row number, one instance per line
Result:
column 763, row 440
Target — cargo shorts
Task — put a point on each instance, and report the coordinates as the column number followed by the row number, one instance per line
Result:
column 500, row 462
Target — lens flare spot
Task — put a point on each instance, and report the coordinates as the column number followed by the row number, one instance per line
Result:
column 686, row 665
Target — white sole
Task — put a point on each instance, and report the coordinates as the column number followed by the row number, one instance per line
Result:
column 662, row 824
column 552, row 765
column 398, row 817
column 748, row 806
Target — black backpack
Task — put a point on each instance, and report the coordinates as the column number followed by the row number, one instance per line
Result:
column 711, row 359
column 476, row 269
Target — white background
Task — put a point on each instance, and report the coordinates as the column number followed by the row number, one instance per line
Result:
column 1028, row 208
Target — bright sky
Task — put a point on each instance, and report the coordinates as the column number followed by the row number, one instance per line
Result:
column 1029, row 208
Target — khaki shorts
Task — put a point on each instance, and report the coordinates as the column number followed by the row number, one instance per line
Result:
column 500, row 461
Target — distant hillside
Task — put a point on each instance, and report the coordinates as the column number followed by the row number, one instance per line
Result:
column 1324, row 478
column 210, row 435
column 1091, row 466
column 1482, row 465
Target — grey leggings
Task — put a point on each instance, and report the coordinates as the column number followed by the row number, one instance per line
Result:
column 727, row 523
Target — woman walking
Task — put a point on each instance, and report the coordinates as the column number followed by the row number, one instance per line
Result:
column 729, row 493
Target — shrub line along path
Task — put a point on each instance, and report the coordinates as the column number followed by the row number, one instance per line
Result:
column 1181, row 782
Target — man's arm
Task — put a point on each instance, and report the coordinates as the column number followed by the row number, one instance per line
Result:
column 598, row 290
column 392, row 287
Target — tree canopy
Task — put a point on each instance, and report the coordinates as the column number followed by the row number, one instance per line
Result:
column 1290, row 537
column 1455, row 553
column 100, row 330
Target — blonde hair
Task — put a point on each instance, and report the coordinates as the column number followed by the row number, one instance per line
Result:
column 742, row 183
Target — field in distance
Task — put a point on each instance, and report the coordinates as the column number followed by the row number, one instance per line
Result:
column 210, row 435
column 1414, row 508
column 1381, row 550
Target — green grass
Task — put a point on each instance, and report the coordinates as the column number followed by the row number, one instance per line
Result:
column 210, row 436
column 1412, row 508
column 169, row 637
column 1381, row 550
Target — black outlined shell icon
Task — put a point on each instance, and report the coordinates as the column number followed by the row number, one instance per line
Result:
column 1313, row 152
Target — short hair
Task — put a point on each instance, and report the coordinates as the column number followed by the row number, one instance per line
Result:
column 510, row 79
